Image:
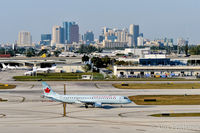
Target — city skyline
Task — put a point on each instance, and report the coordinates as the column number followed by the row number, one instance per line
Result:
column 172, row 19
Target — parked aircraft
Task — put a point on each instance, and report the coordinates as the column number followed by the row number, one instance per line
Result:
column 94, row 100
column 8, row 67
column 35, row 69
column 46, row 69
column 29, row 73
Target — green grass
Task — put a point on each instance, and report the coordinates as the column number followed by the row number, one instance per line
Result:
column 158, row 86
column 166, row 99
column 58, row 77
column 177, row 115
column 6, row 86
column 3, row 100
column 153, row 79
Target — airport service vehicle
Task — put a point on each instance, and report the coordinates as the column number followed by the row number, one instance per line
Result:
column 94, row 100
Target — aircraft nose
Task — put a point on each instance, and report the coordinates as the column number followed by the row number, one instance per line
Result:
column 129, row 101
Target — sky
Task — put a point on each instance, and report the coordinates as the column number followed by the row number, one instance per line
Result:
column 157, row 18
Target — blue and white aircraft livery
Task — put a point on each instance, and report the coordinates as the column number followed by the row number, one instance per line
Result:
column 94, row 100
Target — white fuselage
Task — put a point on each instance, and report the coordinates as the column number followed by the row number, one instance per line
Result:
column 103, row 99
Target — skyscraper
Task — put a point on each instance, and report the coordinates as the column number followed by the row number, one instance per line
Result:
column 57, row 35
column 88, row 37
column 68, row 28
column 134, row 31
column 24, row 39
column 45, row 39
column 140, row 41
column 74, row 33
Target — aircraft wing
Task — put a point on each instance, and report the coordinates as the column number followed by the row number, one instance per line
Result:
column 87, row 102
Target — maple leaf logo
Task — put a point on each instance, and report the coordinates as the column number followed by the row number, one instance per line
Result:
column 47, row 90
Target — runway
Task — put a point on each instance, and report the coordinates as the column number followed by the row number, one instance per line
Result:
column 27, row 111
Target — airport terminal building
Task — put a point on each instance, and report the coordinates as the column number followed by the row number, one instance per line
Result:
column 149, row 71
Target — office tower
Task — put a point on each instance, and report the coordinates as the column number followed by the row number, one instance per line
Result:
column 101, row 38
column 122, row 35
column 134, row 31
column 74, row 33
column 24, row 39
column 57, row 35
column 105, row 30
column 130, row 41
column 88, row 37
column 181, row 42
column 71, row 32
column 45, row 39
column 140, row 41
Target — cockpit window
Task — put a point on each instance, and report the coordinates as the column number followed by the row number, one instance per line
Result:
column 125, row 98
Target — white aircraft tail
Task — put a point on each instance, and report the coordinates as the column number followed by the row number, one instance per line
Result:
column 4, row 66
column 34, row 69
column 47, row 89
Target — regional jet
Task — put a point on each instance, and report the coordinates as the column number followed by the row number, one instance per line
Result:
column 53, row 68
column 94, row 100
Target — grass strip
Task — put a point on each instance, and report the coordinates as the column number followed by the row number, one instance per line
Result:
column 177, row 115
column 158, row 86
column 166, row 99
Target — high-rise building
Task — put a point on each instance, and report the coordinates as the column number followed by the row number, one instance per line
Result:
column 140, row 41
column 130, row 41
column 101, row 38
column 134, row 31
column 88, row 37
column 45, row 39
column 122, row 35
column 57, row 35
column 74, row 33
column 71, row 32
column 24, row 39
column 181, row 42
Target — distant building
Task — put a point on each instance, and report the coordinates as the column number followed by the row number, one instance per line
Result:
column 134, row 31
column 110, row 44
column 130, row 41
column 57, row 35
column 45, row 39
column 140, row 41
column 181, row 42
column 24, row 39
column 71, row 32
column 74, row 33
column 101, row 38
column 88, row 37
column 122, row 35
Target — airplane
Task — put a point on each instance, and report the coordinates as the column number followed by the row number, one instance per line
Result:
column 53, row 68
column 94, row 100
column 8, row 67
column 21, row 68
column 35, row 69
column 29, row 73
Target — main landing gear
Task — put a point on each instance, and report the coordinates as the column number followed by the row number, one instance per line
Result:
column 86, row 106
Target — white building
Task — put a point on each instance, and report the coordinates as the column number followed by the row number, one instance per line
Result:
column 140, row 41
column 110, row 44
column 24, row 39
column 56, row 35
